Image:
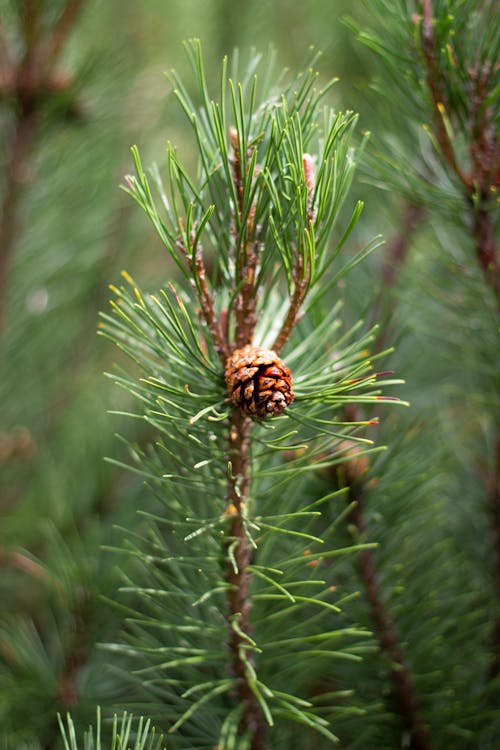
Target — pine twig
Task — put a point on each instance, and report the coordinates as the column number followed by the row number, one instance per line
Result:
column 252, row 721
column 19, row 150
column 403, row 687
column 436, row 92
column 399, row 246
column 394, row 258
column 239, row 549
column 246, row 261
column 404, row 690
column 301, row 274
column 493, row 489
column 298, row 296
column 208, row 309
column 484, row 151
column 60, row 33
column 205, row 298
column 485, row 171
column 30, row 81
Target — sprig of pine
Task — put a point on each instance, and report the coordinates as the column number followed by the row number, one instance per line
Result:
column 234, row 623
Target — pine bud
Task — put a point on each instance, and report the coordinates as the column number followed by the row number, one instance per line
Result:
column 258, row 381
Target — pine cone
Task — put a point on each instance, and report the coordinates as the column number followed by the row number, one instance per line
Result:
column 258, row 381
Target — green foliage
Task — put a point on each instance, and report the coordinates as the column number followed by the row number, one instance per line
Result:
column 179, row 632
column 426, row 500
column 124, row 735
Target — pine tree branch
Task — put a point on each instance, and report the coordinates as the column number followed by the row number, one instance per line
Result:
column 246, row 255
column 60, row 33
column 395, row 256
column 252, row 721
column 483, row 147
column 434, row 84
column 205, row 298
column 486, row 251
column 298, row 296
column 19, row 150
column 76, row 655
column 484, row 177
column 485, row 170
column 301, row 272
column 6, row 66
column 399, row 246
column 493, row 489
column 31, row 81
column 403, row 687
column 387, row 635
column 208, row 309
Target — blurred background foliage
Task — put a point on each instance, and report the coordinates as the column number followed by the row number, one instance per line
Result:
column 75, row 231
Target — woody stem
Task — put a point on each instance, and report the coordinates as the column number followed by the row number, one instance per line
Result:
column 237, row 575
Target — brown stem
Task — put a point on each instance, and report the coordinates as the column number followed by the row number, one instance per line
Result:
column 60, row 33
column 75, row 656
column 402, row 682
column 484, row 151
column 239, row 578
column 28, row 81
column 208, row 309
column 398, row 247
column 394, row 258
column 493, row 488
column 15, row 176
column 298, row 296
column 246, row 255
column 436, row 93
column 486, row 252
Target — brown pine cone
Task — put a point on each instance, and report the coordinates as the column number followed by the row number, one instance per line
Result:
column 258, row 381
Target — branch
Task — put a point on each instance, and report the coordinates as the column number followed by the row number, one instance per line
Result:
column 404, row 690
column 301, row 275
column 30, row 84
column 60, row 33
column 484, row 152
column 395, row 255
column 246, row 256
column 252, row 721
column 485, row 165
column 298, row 296
column 486, row 251
column 205, row 298
column 436, row 94
column 6, row 63
column 493, row 498
column 208, row 309
column 19, row 150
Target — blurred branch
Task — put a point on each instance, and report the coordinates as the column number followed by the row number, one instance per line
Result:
column 17, row 158
column 62, row 30
column 354, row 470
column 402, row 682
column 484, row 149
column 493, row 489
column 478, row 189
column 27, row 83
column 399, row 246
column 395, row 255
column 352, row 475
column 434, row 84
